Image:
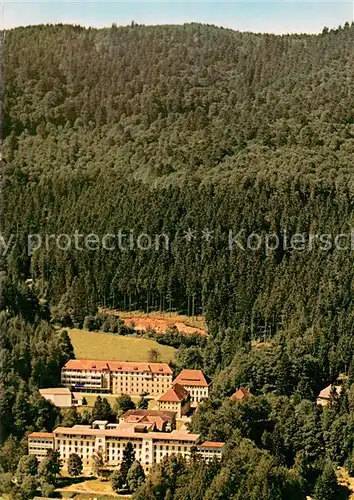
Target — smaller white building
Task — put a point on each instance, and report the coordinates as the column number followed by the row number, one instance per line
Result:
column 62, row 397
column 39, row 443
column 211, row 449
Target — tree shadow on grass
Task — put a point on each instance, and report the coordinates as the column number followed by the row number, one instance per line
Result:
column 62, row 482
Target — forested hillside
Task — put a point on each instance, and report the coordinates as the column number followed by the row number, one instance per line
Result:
column 166, row 129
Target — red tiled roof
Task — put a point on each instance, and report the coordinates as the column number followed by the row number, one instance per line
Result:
column 176, row 394
column 159, row 418
column 48, row 435
column 140, row 413
column 326, row 392
column 242, row 393
column 117, row 366
column 191, row 377
column 212, row 444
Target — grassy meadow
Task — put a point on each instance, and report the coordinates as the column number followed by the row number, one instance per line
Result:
column 112, row 347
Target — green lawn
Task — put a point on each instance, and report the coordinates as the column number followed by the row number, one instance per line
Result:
column 106, row 346
column 92, row 496
column 89, row 488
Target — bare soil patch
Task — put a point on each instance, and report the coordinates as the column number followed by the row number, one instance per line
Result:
column 160, row 322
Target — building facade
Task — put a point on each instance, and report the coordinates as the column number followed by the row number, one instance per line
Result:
column 59, row 396
column 176, row 399
column 39, row 443
column 117, row 377
column 62, row 397
column 194, row 382
column 110, row 440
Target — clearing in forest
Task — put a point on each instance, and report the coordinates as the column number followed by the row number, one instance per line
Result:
column 161, row 321
column 113, row 347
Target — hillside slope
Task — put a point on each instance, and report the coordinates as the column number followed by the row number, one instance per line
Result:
column 201, row 102
column 228, row 131
column 187, row 133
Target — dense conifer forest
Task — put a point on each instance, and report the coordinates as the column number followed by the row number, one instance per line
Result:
column 189, row 132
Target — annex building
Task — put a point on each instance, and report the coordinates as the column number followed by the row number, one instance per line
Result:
column 116, row 377
column 175, row 399
column 159, row 420
column 194, row 382
column 111, row 439
column 62, row 397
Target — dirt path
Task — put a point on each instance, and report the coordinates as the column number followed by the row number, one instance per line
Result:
column 161, row 322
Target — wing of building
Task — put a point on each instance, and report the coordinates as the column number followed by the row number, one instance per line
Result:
column 116, row 377
column 111, row 439
column 176, row 399
column 62, row 397
column 195, row 383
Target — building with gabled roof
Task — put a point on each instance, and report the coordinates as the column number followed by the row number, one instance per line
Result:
column 324, row 396
column 240, row 394
column 161, row 420
column 195, row 383
column 176, row 399
column 117, row 377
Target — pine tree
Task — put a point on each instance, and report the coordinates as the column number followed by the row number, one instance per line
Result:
column 123, row 403
column 66, row 348
column 135, row 476
column 344, row 401
column 284, row 375
column 49, row 467
column 28, row 465
column 143, row 403
column 326, row 487
column 334, row 401
column 74, row 465
column 97, row 410
column 117, row 480
column 107, row 413
column 127, row 460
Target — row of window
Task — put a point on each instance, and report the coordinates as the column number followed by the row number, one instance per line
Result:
column 141, row 374
column 75, row 443
column 174, row 448
column 41, row 441
column 114, row 373
column 80, row 372
column 117, row 445
column 113, row 438
column 80, row 377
